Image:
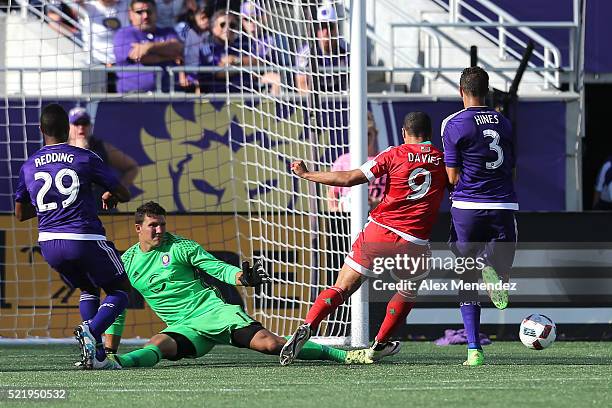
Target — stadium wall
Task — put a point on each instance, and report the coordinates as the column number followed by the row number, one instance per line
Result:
column 172, row 141
column 560, row 274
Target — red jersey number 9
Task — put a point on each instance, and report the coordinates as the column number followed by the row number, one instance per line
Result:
column 419, row 190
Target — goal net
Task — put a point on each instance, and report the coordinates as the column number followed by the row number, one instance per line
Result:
column 291, row 89
column 218, row 160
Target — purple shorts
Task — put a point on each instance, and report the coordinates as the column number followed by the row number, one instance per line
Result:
column 489, row 234
column 84, row 263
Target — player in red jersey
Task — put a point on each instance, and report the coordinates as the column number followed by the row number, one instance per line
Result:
column 401, row 223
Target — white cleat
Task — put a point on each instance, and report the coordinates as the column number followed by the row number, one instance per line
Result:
column 378, row 351
column 107, row 364
column 294, row 345
column 87, row 345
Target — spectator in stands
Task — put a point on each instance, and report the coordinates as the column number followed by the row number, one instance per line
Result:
column 81, row 136
column 258, row 41
column 193, row 30
column 330, row 52
column 168, row 11
column 338, row 198
column 602, row 199
column 100, row 20
column 214, row 53
column 263, row 48
column 62, row 18
column 145, row 44
column 193, row 19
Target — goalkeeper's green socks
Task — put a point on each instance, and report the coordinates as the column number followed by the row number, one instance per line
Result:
column 144, row 357
column 315, row 351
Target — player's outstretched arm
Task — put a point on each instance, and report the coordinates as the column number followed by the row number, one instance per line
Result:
column 331, row 178
column 24, row 211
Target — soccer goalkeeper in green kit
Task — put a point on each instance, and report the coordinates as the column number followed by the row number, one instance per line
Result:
column 164, row 268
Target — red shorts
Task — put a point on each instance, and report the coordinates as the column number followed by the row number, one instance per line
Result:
column 378, row 250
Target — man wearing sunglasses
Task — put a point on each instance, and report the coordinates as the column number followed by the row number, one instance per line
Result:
column 145, row 44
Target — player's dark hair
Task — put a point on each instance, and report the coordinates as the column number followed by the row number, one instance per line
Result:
column 148, row 209
column 54, row 122
column 151, row 3
column 418, row 124
column 475, row 81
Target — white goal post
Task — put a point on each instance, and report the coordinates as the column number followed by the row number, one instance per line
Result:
column 287, row 50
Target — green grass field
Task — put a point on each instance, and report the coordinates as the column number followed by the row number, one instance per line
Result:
column 569, row 374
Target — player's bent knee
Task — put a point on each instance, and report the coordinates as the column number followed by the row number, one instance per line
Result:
column 256, row 337
column 267, row 342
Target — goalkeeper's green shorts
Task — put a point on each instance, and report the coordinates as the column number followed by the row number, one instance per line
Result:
column 211, row 328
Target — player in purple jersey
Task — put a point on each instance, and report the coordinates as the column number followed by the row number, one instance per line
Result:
column 55, row 184
column 479, row 157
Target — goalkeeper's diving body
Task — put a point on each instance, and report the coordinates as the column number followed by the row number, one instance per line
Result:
column 164, row 268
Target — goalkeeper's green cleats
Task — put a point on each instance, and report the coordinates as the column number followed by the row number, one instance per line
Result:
column 475, row 358
column 358, row 357
column 499, row 297
column 373, row 354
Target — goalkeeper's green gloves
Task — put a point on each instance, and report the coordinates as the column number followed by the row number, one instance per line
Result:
column 253, row 275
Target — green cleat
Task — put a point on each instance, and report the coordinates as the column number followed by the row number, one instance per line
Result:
column 358, row 357
column 373, row 354
column 499, row 297
column 475, row 358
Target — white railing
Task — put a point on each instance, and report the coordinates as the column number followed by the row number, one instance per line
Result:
column 432, row 47
column 429, row 71
column 552, row 66
column 171, row 71
column 549, row 56
column 27, row 8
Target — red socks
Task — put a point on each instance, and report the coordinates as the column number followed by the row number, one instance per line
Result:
column 326, row 302
column 397, row 309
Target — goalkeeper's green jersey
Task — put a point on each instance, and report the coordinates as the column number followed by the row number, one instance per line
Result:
column 168, row 279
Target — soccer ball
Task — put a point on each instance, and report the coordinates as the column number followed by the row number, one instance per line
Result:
column 537, row 332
